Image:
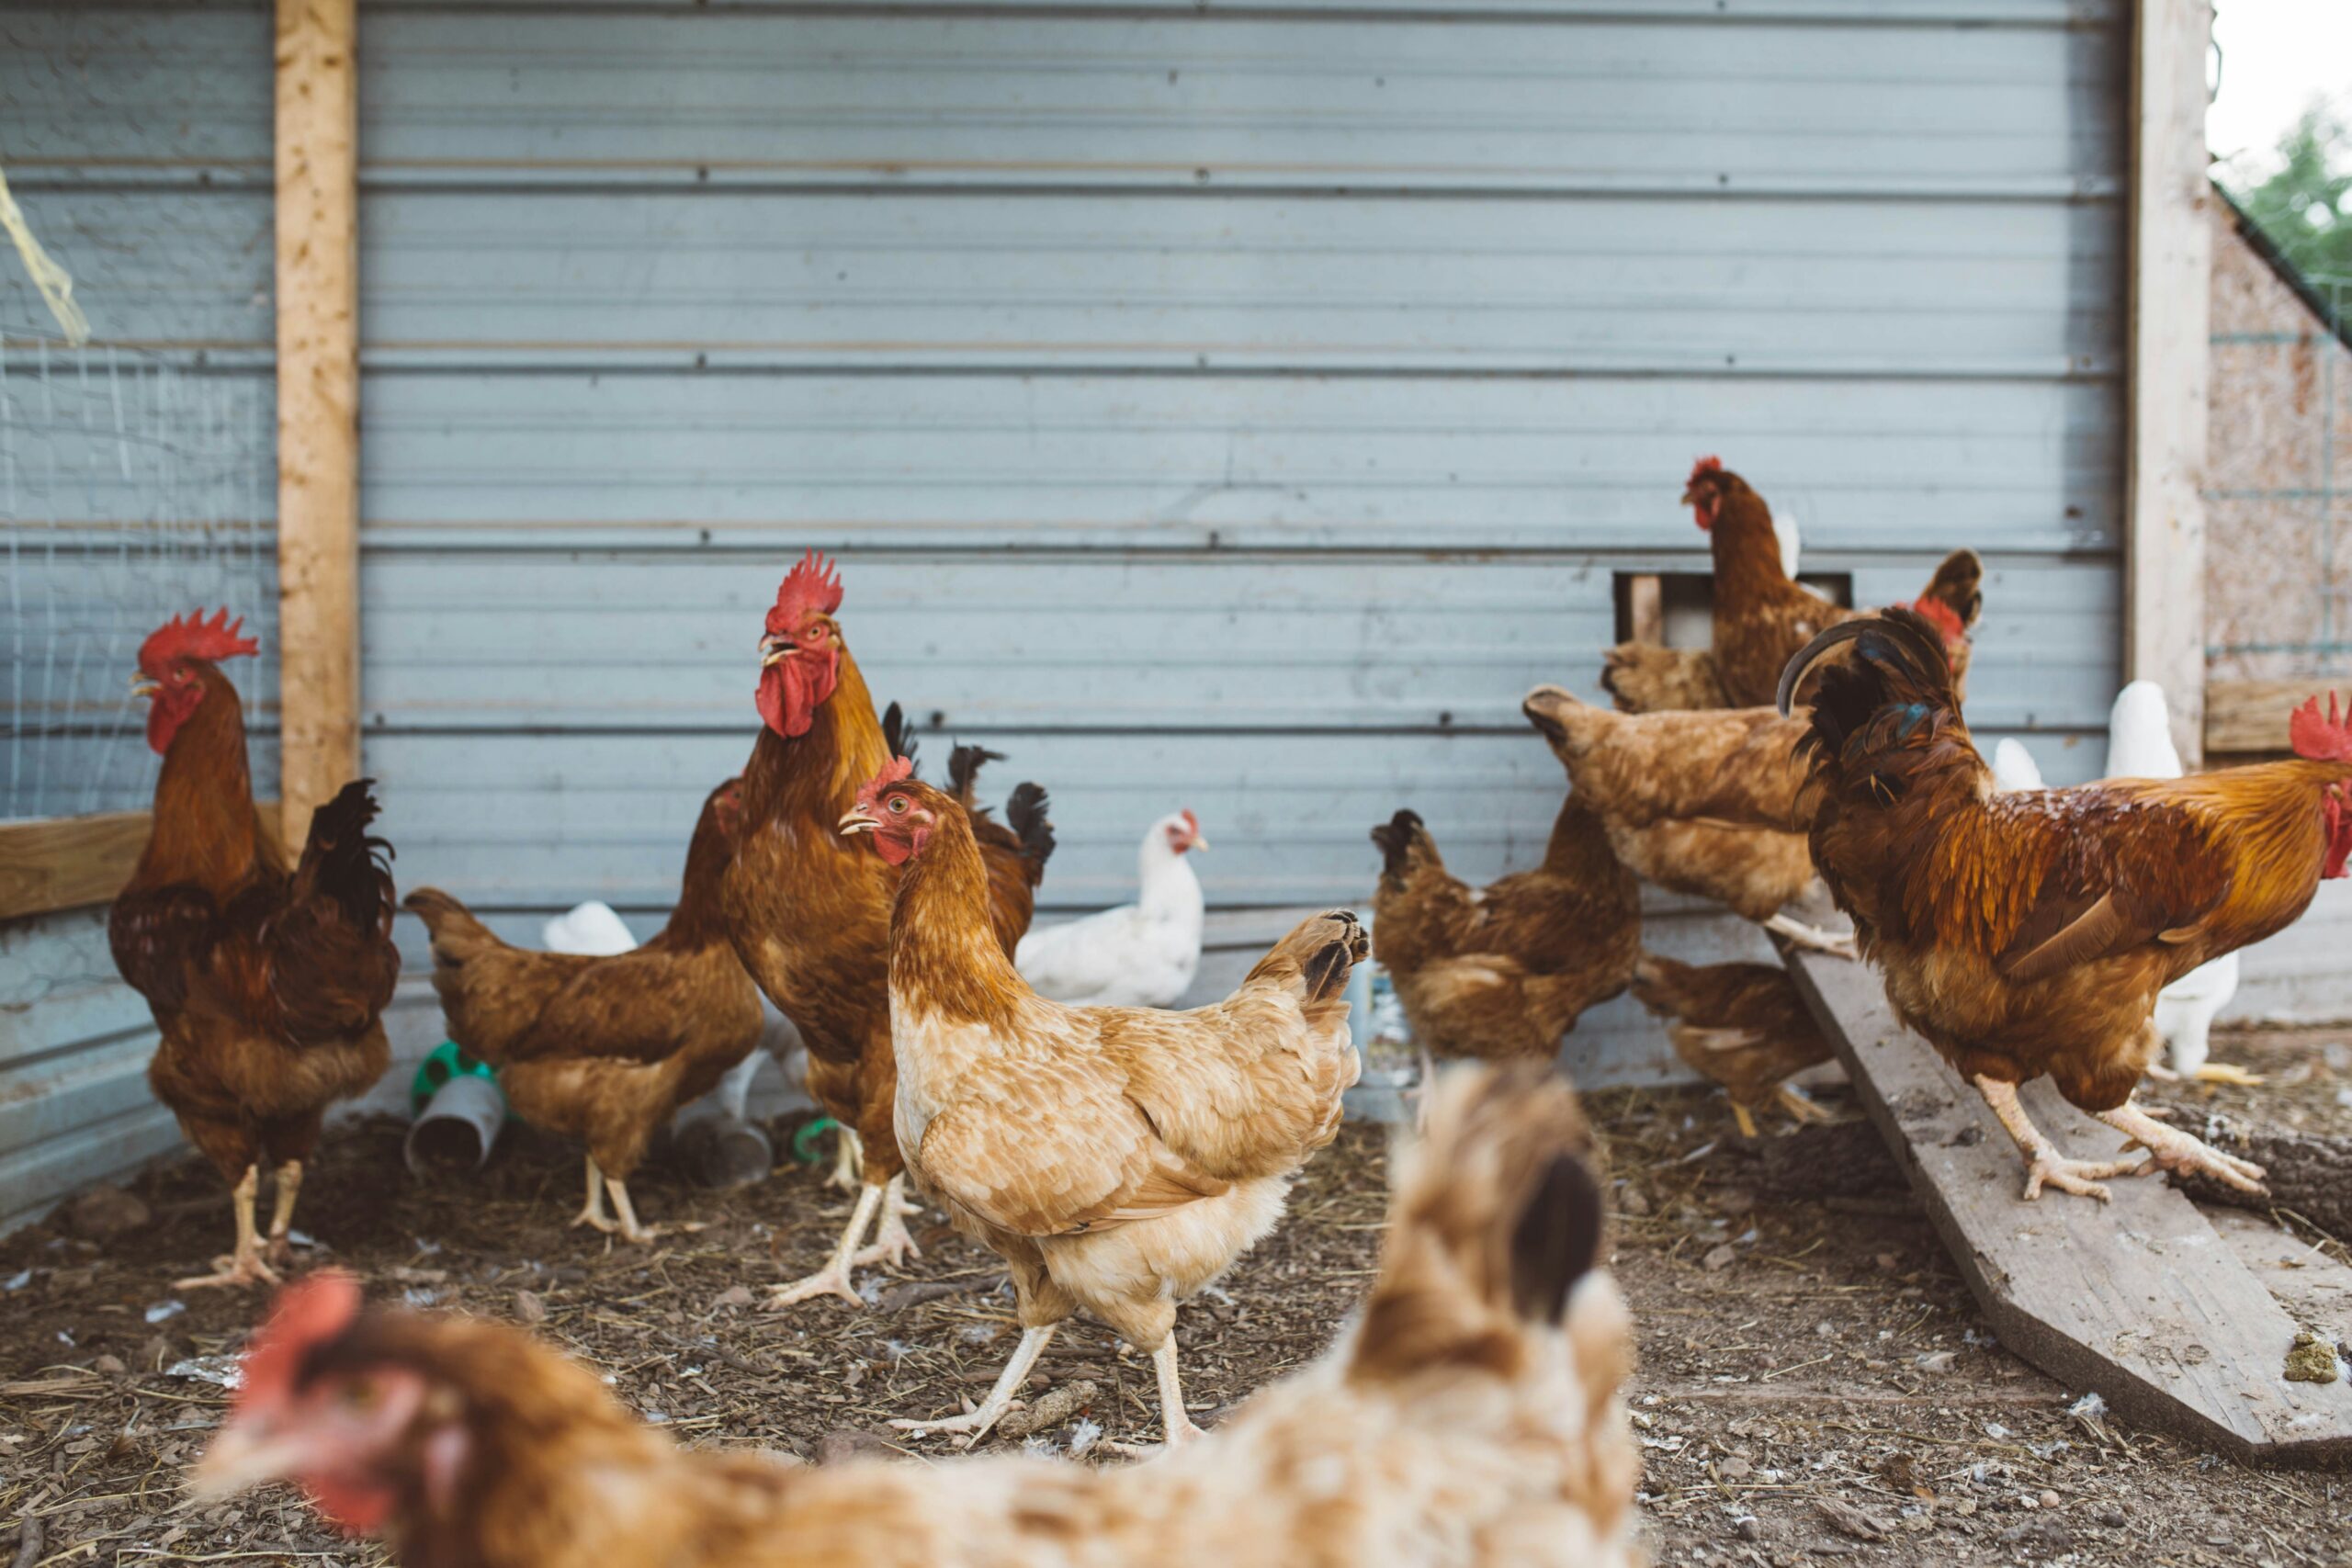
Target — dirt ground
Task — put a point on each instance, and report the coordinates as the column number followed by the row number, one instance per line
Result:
column 1816, row 1382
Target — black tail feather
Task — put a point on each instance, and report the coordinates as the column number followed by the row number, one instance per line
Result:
column 1024, row 812
column 1396, row 837
column 964, row 764
column 345, row 862
column 1557, row 1239
column 894, row 733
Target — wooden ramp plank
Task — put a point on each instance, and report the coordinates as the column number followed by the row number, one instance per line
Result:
column 2141, row 1300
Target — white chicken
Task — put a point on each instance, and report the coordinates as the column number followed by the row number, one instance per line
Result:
column 1142, row 955
column 2139, row 746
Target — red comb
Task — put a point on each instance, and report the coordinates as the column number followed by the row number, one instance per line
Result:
column 1704, row 466
column 1191, row 823
column 193, row 637
column 813, row 585
column 895, row 771
column 2321, row 739
column 1942, row 616
column 309, row 1311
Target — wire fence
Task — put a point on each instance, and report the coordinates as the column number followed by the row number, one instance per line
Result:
column 133, row 488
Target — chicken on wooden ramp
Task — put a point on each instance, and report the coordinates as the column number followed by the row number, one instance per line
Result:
column 1470, row 1417
column 1118, row 1159
column 1138, row 954
column 267, row 985
column 606, row 1048
column 2029, row 935
column 2140, row 746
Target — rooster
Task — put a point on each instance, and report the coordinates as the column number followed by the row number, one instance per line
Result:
column 1118, row 1159
column 1139, row 955
column 606, row 1049
column 1761, row 613
column 2028, row 933
column 1698, row 803
column 268, row 986
column 1504, row 970
column 810, row 914
column 1472, row 1419
column 1739, row 1025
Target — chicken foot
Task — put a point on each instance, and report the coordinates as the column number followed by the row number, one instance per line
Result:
column 2210, row 1072
column 2084, row 1178
column 2177, row 1151
column 1812, row 938
column 893, row 1243
column 246, row 1265
column 834, row 1280
column 1793, row 1102
column 973, row 1425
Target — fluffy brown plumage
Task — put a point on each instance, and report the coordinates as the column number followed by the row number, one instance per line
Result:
column 2028, row 932
column 1740, row 1025
column 1473, row 1419
column 267, row 985
column 1699, row 802
column 1506, row 969
column 605, row 1049
column 1118, row 1159
column 1761, row 614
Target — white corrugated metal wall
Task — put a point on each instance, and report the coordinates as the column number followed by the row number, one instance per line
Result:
column 1230, row 409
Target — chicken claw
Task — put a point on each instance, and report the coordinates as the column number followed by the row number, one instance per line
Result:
column 832, row 1280
column 2228, row 1072
column 973, row 1425
column 1812, row 938
column 246, row 1265
column 893, row 1243
column 2179, row 1152
column 2083, row 1177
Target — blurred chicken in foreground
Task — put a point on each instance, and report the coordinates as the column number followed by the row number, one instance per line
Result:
column 2029, row 933
column 1740, row 1025
column 1469, row 1418
column 1506, row 969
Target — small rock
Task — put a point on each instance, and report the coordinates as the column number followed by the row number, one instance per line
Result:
column 1889, row 1263
column 732, row 1298
column 847, row 1442
column 1747, row 1528
column 2050, row 1499
column 1634, row 1203
column 2114, row 1518
column 109, row 1366
column 1733, row 1202
column 1936, row 1361
column 1719, row 1258
column 1735, row 1469
column 104, row 1212
column 1847, row 1519
column 530, row 1308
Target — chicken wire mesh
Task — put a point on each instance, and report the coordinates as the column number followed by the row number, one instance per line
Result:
column 129, row 493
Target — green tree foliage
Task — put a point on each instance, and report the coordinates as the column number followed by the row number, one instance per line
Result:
column 2305, row 206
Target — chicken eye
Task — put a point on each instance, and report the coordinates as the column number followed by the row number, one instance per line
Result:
column 898, row 805
column 361, row 1394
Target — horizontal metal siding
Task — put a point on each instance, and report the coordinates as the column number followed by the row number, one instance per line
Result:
column 1240, row 410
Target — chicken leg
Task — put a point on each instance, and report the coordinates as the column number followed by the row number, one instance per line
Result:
column 246, row 1265
column 281, row 1215
column 849, row 1159
column 893, row 1243
column 2177, row 1151
column 2084, row 1178
column 834, row 1280
column 973, row 1425
column 1812, row 938
column 592, row 1213
column 1174, row 1419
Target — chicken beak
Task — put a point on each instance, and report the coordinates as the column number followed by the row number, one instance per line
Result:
column 775, row 650
column 857, row 821
column 145, row 686
column 1200, row 842
column 241, row 1459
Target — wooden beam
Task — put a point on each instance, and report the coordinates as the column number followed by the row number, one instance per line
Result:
column 2171, row 248
column 71, row 862
column 318, row 404
column 2251, row 715
column 2140, row 1300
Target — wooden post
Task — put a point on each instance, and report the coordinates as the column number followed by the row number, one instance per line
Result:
column 2171, row 281
column 318, row 404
